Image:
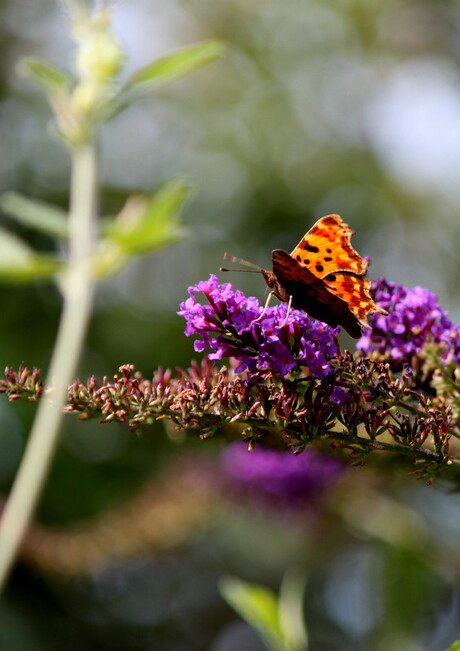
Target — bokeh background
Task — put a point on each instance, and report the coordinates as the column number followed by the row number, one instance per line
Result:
column 319, row 106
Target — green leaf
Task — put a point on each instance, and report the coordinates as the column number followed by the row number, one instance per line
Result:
column 40, row 216
column 455, row 646
column 176, row 65
column 48, row 78
column 147, row 223
column 258, row 606
column 19, row 263
column 162, row 72
column 291, row 614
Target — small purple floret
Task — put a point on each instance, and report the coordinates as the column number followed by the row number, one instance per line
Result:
column 415, row 318
column 227, row 326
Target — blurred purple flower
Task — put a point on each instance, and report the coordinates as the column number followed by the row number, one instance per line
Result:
column 415, row 318
column 229, row 328
column 279, row 477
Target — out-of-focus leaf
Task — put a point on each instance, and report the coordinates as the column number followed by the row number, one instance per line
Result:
column 455, row 646
column 176, row 65
column 48, row 78
column 147, row 223
column 407, row 585
column 290, row 608
column 162, row 72
column 19, row 263
column 258, row 606
column 13, row 251
column 40, row 216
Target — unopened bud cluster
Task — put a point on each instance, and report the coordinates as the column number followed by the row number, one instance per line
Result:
column 99, row 58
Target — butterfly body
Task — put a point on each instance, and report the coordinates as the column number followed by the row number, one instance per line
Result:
column 307, row 292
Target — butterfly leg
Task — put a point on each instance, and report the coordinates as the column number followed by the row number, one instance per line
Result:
column 267, row 302
column 287, row 312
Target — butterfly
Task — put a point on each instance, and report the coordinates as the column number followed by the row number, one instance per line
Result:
column 324, row 276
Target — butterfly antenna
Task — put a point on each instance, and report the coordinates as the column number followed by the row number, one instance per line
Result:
column 246, row 263
column 247, row 271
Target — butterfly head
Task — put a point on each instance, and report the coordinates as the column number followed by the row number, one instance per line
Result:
column 269, row 277
column 276, row 287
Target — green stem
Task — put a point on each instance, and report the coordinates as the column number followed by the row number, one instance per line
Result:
column 78, row 291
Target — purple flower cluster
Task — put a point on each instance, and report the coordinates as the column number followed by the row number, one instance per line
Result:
column 228, row 326
column 275, row 477
column 414, row 319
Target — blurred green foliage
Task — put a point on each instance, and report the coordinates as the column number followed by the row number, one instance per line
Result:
column 454, row 647
column 279, row 620
column 350, row 106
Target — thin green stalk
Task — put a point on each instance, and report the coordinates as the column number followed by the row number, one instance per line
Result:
column 77, row 291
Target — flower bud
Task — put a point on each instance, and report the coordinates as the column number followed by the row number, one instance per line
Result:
column 100, row 56
column 85, row 96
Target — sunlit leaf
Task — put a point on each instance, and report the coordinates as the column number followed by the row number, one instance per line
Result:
column 47, row 77
column 147, row 223
column 455, row 646
column 290, row 608
column 176, row 65
column 258, row 606
column 19, row 263
column 38, row 215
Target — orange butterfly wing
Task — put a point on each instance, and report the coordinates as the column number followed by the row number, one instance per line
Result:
column 355, row 291
column 340, row 295
column 327, row 248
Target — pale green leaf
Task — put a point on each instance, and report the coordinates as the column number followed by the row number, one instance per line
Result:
column 34, row 214
column 455, row 646
column 175, row 65
column 291, row 613
column 258, row 606
column 19, row 263
column 13, row 251
column 45, row 76
column 147, row 223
